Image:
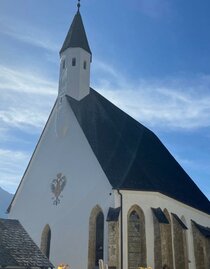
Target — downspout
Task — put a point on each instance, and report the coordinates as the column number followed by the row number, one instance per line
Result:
column 121, row 230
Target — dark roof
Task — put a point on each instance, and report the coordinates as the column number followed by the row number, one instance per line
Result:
column 179, row 221
column 205, row 231
column 17, row 248
column 160, row 216
column 131, row 155
column 113, row 214
column 76, row 37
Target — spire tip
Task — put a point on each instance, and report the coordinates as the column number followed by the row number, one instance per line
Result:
column 78, row 5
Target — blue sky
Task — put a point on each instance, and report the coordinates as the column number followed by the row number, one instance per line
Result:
column 150, row 57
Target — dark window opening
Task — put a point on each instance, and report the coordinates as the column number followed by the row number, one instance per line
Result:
column 64, row 64
column 85, row 65
column 45, row 241
column 99, row 251
column 73, row 61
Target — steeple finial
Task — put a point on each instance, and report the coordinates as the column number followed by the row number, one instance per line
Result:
column 78, row 5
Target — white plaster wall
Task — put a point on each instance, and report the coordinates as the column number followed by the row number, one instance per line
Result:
column 75, row 80
column 146, row 200
column 63, row 148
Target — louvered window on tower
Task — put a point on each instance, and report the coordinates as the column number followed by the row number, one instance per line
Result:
column 85, row 65
column 73, row 61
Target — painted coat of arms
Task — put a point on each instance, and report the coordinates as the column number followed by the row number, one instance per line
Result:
column 57, row 186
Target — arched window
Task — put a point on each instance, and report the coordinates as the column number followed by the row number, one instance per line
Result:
column 96, row 237
column 99, row 237
column 45, row 241
column 136, row 238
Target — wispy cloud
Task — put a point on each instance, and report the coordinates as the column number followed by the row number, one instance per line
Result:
column 172, row 102
column 25, row 81
column 27, row 34
column 26, row 99
column 12, row 164
column 154, row 8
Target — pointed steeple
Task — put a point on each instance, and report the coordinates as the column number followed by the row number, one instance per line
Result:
column 76, row 37
column 75, row 61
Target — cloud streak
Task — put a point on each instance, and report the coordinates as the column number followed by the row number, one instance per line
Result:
column 25, row 81
column 153, row 8
column 12, row 165
column 171, row 103
column 25, row 99
column 27, row 34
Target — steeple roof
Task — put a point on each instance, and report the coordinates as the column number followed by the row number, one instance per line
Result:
column 76, row 37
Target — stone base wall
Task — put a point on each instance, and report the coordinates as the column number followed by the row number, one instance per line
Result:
column 180, row 247
column 113, row 244
column 201, row 249
column 163, row 251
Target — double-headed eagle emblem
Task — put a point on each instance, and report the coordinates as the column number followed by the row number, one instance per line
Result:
column 57, row 187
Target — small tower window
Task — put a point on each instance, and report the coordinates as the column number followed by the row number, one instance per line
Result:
column 64, row 64
column 85, row 65
column 73, row 61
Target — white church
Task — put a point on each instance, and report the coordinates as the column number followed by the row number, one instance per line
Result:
column 100, row 185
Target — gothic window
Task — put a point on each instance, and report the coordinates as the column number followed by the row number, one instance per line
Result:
column 136, row 238
column 73, row 61
column 96, row 237
column 85, row 65
column 45, row 241
column 99, row 237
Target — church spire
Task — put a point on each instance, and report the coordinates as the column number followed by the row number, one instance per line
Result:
column 76, row 37
column 75, row 62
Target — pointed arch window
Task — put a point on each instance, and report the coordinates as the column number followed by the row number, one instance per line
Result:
column 96, row 237
column 45, row 241
column 136, row 238
column 99, row 238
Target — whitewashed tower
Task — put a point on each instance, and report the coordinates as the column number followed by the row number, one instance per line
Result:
column 75, row 62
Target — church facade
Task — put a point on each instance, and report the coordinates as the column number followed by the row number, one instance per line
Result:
column 100, row 185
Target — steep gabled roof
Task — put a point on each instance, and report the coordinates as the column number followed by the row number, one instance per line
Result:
column 76, row 37
column 17, row 248
column 132, row 156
